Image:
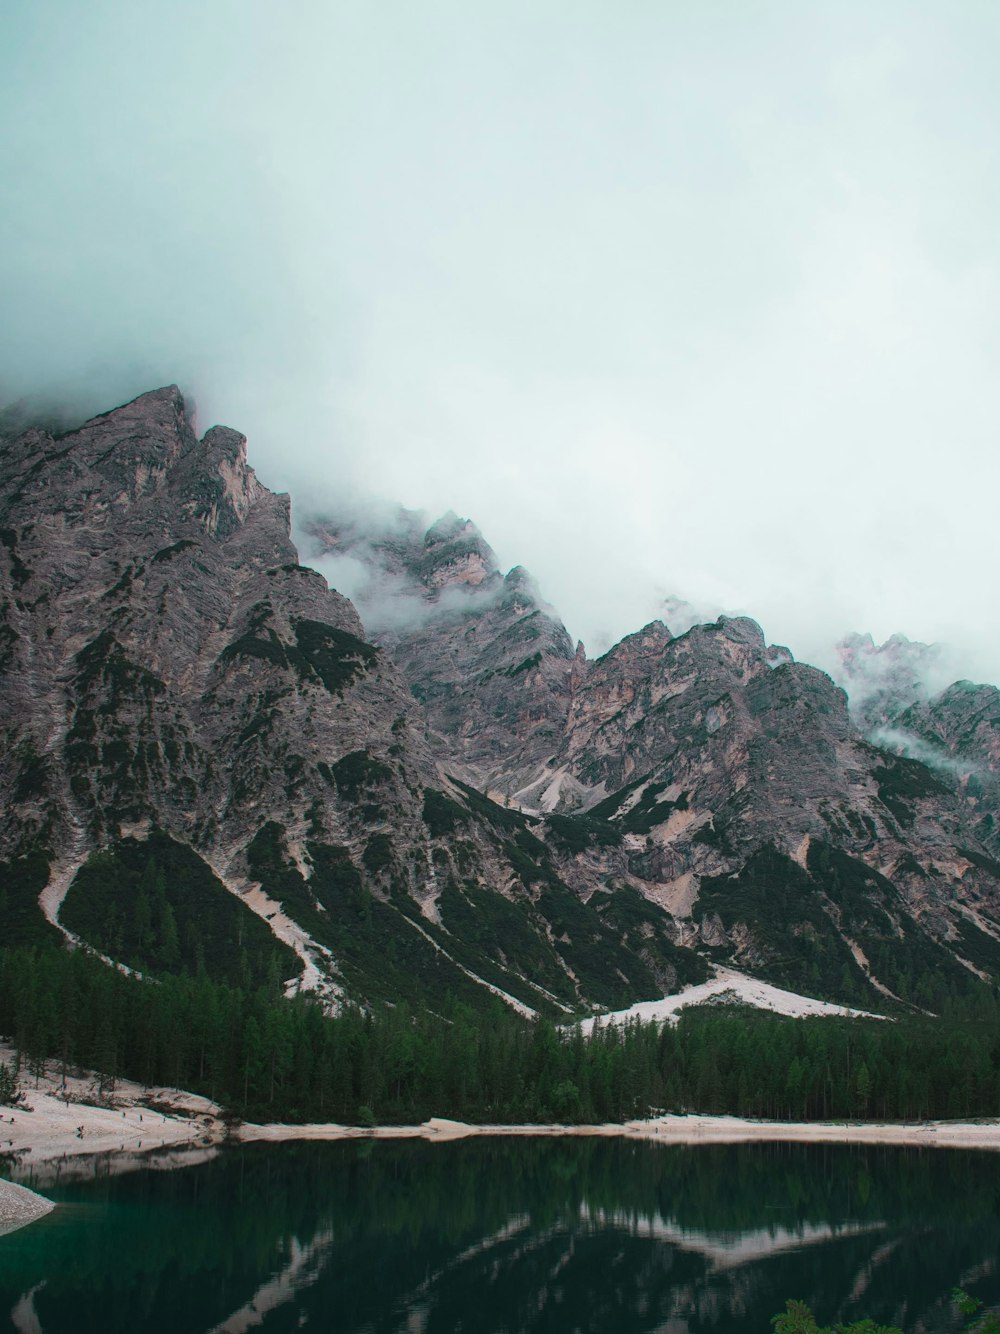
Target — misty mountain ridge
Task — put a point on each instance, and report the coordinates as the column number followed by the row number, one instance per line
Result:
column 399, row 571
column 445, row 796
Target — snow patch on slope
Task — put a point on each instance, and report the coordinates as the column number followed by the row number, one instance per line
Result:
column 730, row 984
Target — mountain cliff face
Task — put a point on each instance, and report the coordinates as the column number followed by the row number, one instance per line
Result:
column 174, row 679
column 711, row 774
column 449, row 800
column 491, row 663
column 958, row 732
column 955, row 731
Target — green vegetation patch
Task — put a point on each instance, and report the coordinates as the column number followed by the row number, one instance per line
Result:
column 647, row 812
column 987, row 864
column 21, row 881
column 19, row 572
column 900, row 953
column 335, row 656
column 525, row 666
column 498, row 938
column 502, row 818
column 104, row 669
column 608, row 972
column 156, row 906
column 862, row 894
column 575, row 833
column 320, row 653
column 712, row 834
column 442, row 816
column 610, row 806
column 800, row 949
column 33, row 774
column 380, row 956
column 357, row 772
column 979, row 948
column 901, row 782
column 378, row 855
column 8, row 637
column 644, row 928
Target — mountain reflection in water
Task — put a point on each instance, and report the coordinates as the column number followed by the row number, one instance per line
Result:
column 499, row 1236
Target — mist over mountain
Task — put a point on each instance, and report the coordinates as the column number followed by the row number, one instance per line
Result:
column 670, row 306
column 201, row 735
column 370, row 552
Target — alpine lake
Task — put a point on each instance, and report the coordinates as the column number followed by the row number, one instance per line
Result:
column 492, row 1235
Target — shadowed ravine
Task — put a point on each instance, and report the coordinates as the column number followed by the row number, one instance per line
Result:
column 499, row 1237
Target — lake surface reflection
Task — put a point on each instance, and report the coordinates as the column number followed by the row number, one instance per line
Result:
column 498, row 1236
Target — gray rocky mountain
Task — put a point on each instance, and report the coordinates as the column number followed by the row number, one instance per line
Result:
column 745, row 797
column 882, row 680
column 957, row 732
column 895, row 698
column 444, row 797
column 490, row 662
column 171, row 672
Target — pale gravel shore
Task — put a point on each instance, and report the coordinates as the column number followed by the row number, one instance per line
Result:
column 57, row 1129
column 58, row 1121
column 18, row 1206
column 664, row 1130
column 48, row 1134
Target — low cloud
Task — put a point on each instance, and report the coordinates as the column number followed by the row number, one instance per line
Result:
column 372, row 564
column 916, row 748
column 661, row 300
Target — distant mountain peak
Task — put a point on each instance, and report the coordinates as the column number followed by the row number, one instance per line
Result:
column 455, row 554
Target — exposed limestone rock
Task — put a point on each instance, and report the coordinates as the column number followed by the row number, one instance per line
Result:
column 455, row 800
column 170, row 666
column 705, row 750
column 487, row 659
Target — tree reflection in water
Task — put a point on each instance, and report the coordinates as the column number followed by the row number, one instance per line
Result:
column 501, row 1236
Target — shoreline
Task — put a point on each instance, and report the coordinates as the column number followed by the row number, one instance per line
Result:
column 61, row 1129
column 136, row 1127
column 61, row 1126
column 119, row 1140
column 690, row 1129
column 19, row 1206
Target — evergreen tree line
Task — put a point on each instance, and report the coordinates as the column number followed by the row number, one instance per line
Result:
column 265, row 1057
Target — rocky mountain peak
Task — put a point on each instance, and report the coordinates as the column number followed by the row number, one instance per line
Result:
column 884, row 679
column 741, row 630
column 137, row 443
column 455, row 554
column 151, row 596
column 520, row 592
column 467, row 802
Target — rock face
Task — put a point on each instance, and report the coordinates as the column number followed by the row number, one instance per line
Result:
column 454, row 801
column 884, row 679
column 165, row 656
column 955, row 731
column 489, row 661
column 958, row 732
column 170, row 669
column 711, row 774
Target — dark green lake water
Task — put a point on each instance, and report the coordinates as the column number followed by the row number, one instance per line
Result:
column 502, row 1236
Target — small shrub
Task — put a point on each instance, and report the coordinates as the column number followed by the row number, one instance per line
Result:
column 10, row 1093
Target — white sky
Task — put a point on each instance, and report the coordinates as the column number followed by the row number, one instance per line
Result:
column 695, row 298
